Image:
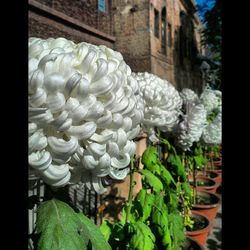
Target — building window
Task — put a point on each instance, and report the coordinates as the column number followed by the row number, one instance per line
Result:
column 163, row 30
column 156, row 23
column 169, row 35
column 101, row 6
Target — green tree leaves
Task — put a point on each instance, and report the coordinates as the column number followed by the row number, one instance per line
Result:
column 145, row 202
column 151, row 181
column 62, row 228
column 142, row 237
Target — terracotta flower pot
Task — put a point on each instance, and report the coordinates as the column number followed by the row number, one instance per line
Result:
column 210, row 174
column 191, row 244
column 200, row 235
column 209, row 205
column 205, row 184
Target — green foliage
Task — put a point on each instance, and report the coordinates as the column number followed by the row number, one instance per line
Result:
column 150, row 160
column 62, row 228
column 93, row 233
column 145, row 202
column 160, row 221
column 106, row 229
column 175, row 161
column 132, row 216
column 187, row 190
column 142, row 237
column 176, row 225
column 151, row 181
column 199, row 158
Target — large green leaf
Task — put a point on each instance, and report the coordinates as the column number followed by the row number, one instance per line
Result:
column 150, row 159
column 145, row 202
column 59, row 226
column 160, row 221
column 62, row 228
column 150, row 180
column 142, row 237
column 94, row 234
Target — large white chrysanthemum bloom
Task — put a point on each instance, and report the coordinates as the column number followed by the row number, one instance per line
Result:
column 192, row 126
column 211, row 99
column 161, row 100
column 84, row 112
column 189, row 96
column 212, row 133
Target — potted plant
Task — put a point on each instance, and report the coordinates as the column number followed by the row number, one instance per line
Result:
column 200, row 229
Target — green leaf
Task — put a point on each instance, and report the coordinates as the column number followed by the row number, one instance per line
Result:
column 106, row 229
column 94, row 234
column 199, row 160
column 187, row 190
column 59, row 227
column 160, row 221
column 177, row 229
column 150, row 159
column 175, row 161
column 145, row 202
column 142, row 238
column 150, row 180
column 132, row 217
column 62, row 228
column 166, row 176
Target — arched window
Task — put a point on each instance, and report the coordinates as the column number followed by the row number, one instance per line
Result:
column 156, row 23
column 163, row 29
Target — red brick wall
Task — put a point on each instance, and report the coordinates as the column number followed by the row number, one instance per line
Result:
column 45, row 21
column 131, row 29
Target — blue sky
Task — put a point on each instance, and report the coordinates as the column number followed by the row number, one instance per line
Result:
column 209, row 3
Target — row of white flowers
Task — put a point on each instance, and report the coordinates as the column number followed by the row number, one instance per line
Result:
column 86, row 107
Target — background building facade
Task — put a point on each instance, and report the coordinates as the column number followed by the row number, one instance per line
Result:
column 157, row 36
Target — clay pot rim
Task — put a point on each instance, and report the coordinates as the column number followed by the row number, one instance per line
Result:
column 208, row 206
column 208, row 171
column 203, row 230
column 215, row 184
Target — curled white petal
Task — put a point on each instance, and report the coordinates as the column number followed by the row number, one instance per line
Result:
column 96, row 149
column 122, row 162
column 62, row 150
column 82, row 132
column 40, row 160
column 118, row 174
column 38, row 98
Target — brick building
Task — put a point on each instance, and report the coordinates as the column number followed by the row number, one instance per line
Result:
column 158, row 36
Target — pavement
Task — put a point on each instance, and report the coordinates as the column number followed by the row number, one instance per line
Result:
column 214, row 238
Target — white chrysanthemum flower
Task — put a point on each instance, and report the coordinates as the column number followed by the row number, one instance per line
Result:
column 161, row 100
column 191, row 128
column 211, row 99
column 189, row 96
column 212, row 133
column 84, row 112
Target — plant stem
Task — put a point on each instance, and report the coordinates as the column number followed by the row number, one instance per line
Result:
column 194, row 181
column 131, row 185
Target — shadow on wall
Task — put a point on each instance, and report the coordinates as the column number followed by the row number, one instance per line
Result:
column 112, row 204
column 187, row 68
